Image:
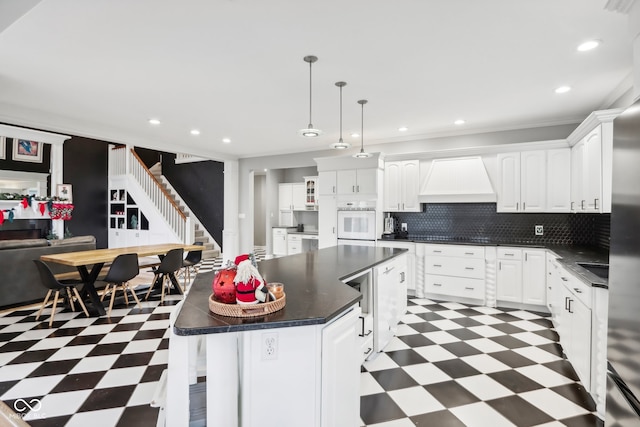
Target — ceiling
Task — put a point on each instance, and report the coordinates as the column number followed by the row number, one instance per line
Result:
column 234, row 69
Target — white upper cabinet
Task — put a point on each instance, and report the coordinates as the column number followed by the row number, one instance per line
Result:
column 591, row 163
column 559, row 180
column 291, row 197
column 522, row 182
column 328, row 183
column 356, row 181
column 534, row 181
column 401, row 186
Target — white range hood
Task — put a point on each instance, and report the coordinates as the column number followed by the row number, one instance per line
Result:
column 457, row 180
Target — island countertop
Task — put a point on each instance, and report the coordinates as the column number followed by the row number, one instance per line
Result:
column 315, row 294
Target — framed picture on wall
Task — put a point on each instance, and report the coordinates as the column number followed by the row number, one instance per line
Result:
column 3, row 147
column 64, row 192
column 27, row 151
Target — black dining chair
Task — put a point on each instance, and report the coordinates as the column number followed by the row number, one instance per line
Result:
column 48, row 280
column 170, row 264
column 191, row 262
column 123, row 268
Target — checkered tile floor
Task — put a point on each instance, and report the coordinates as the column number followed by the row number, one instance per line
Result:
column 458, row 365
column 450, row 365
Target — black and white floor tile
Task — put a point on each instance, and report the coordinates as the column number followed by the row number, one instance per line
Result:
column 449, row 365
column 457, row 365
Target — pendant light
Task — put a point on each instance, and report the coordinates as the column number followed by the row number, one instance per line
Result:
column 310, row 131
column 362, row 154
column 340, row 145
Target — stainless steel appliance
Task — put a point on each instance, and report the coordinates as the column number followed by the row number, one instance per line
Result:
column 389, row 224
column 623, row 338
column 357, row 227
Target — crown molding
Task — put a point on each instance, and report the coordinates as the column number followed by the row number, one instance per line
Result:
column 591, row 122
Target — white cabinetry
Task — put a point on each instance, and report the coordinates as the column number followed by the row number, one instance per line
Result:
column 279, row 241
column 521, row 182
column 340, row 395
column 455, row 270
column 327, row 220
column 559, row 180
column 328, row 184
column 588, row 171
column 294, row 244
column 389, row 299
column 291, row 196
column 574, row 325
column 357, row 181
column 521, row 276
column 411, row 259
column 534, row 181
column 311, row 192
column 401, row 186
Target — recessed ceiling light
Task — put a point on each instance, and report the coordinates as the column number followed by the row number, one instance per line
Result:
column 226, row 140
column 195, row 132
column 266, row 170
column 459, row 122
column 563, row 89
column 154, row 121
column 403, row 128
column 355, row 135
column 588, row 45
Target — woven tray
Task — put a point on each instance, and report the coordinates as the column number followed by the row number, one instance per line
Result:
column 241, row 310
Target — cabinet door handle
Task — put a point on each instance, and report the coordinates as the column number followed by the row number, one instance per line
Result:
column 402, row 277
column 469, row 288
column 564, row 279
column 577, row 290
column 508, row 254
column 435, row 251
column 524, row 206
column 334, row 189
column 437, row 284
column 469, row 253
column 353, row 188
column 398, row 206
column 595, row 203
column 333, row 230
column 437, row 265
column 517, row 206
column 582, row 205
column 469, row 268
column 570, row 301
column 499, row 265
column 403, row 206
column 357, row 188
column 566, row 303
column 526, row 256
column 572, row 205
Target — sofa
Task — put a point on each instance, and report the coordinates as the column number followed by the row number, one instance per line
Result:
column 20, row 283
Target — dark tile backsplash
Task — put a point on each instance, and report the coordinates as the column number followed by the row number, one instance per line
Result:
column 479, row 222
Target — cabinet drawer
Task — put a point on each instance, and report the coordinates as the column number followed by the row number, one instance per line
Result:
column 454, row 286
column 462, row 251
column 509, row 253
column 454, row 266
column 579, row 289
column 295, row 238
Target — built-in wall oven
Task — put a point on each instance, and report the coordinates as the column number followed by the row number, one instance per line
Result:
column 357, row 227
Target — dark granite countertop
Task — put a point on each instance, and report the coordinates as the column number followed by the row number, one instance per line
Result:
column 315, row 294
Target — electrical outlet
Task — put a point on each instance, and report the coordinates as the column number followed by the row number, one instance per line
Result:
column 539, row 230
column 403, row 226
column 270, row 346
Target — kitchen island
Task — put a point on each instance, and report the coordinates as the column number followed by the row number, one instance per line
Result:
column 298, row 365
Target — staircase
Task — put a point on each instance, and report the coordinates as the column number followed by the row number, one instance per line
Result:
column 211, row 248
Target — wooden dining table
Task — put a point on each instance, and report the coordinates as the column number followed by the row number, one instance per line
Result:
column 97, row 258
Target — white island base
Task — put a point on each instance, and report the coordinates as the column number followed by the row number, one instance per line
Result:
column 279, row 377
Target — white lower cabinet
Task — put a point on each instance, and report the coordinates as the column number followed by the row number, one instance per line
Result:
column 327, row 221
column 340, row 395
column 279, row 242
column 294, row 244
column 411, row 259
column 574, row 326
column 520, row 277
column 455, row 271
column 389, row 299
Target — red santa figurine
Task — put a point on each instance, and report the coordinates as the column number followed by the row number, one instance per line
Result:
column 250, row 287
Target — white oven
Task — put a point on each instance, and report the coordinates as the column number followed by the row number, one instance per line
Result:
column 357, row 225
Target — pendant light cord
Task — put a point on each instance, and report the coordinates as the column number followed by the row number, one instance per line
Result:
column 340, row 113
column 310, row 94
column 362, row 128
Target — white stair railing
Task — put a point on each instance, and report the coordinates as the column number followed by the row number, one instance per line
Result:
column 178, row 222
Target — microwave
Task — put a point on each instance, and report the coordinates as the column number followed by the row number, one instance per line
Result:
column 357, row 224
